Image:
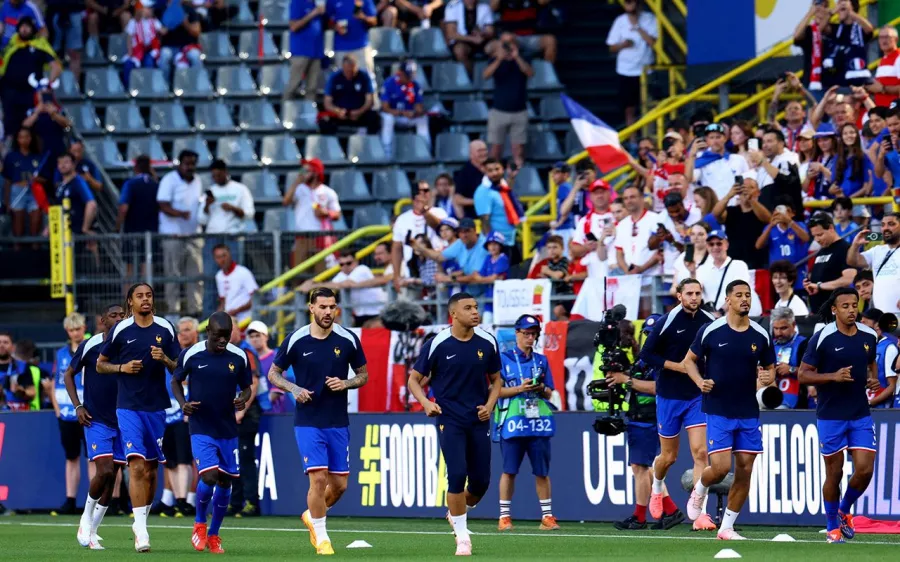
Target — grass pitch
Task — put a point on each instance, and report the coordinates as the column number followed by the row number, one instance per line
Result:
column 30, row 537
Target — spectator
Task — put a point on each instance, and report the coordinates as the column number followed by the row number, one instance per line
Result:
column 784, row 279
column 631, row 39
column 401, row 103
column 564, row 226
column 522, row 18
column 407, row 14
column 886, row 353
column 445, row 195
column 508, row 117
column 307, row 47
column 672, row 230
column 594, row 264
column 17, row 379
column 316, row 207
column 48, row 122
column 718, row 272
column 821, row 170
column 795, row 119
column 694, row 255
column 351, row 22
column 813, row 36
column 108, row 15
column 67, row 17
column 23, row 63
column 83, row 209
column 469, row 177
column 14, row 11
column 228, row 204
column 365, row 303
column 86, row 168
column 179, row 206
column 420, row 219
column 245, row 495
column 597, row 228
column 215, row 13
column 20, row 166
column 271, row 399
column 710, row 165
column 494, row 268
column 847, row 59
column 786, row 238
column 740, row 132
column 880, row 259
column 499, row 208
column 468, row 252
column 776, row 170
column 235, row 284
column 706, row 200
column 808, row 153
column 556, row 267
column 633, row 233
column 830, row 269
column 853, row 170
column 422, row 270
column 886, row 85
column 144, row 42
column 348, row 100
column 468, row 27
column 790, row 347
column 864, row 282
column 138, row 213
column 841, row 211
column 181, row 41
column 745, row 221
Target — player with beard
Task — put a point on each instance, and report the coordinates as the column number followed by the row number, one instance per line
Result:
column 883, row 260
column 732, row 348
column 321, row 354
column 840, row 361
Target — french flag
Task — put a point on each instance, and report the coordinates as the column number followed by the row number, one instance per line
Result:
column 599, row 139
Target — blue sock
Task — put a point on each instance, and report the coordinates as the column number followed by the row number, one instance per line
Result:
column 831, row 515
column 850, row 497
column 221, row 498
column 204, row 494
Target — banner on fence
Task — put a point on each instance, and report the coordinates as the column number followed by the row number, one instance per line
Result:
column 624, row 290
column 515, row 297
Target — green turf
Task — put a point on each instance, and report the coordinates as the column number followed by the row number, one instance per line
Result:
column 272, row 538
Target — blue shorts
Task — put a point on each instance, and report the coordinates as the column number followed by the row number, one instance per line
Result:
column 467, row 452
column 672, row 415
column 103, row 441
column 738, row 435
column 142, row 433
column 515, row 449
column 643, row 443
column 211, row 453
column 837, row 435
column 22, row 199
column 324, row 449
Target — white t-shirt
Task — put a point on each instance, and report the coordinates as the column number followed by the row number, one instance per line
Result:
column 711, row 276
column 237, row 288
column 456, row 12
column 184, row 196
column 632, row 60
column 363, row 302
column 595, row 223
column 596, row 269
column 719, row 175
column 670, row 252
column 886, row 291
column 305, row 197
column 632, row 239
column 680, row 270
column 783, row 162
column 410, row 222
column 795, row 303
column 220, row 221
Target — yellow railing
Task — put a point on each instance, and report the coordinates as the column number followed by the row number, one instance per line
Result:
column 824, row 204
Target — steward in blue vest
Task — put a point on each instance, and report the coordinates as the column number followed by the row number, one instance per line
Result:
column 886, row 352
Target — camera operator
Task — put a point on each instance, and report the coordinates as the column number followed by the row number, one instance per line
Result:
column 525, row 420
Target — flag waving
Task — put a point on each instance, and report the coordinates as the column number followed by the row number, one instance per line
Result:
column 599, row 139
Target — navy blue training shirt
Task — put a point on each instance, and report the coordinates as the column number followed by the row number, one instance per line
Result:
column 100, row 391
column 212, row 379
column 669, row 340
column 829, row 351
column 313, row 360
column 146, row 390
column 731, row 359
column 459, row 373
column 139, row 193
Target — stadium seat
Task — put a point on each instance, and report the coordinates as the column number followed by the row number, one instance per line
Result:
column 450, row 77
column 478, row 80
column 529, row 109
column 544, row 77
column 428, row 173
column 196, row 143
column 428, row 44
column 286, row 43
column 148, row 83
column 552, row 109
column 244, row 15
column 573, row 145
column 103, row 84
column 279, row 150
column 263, row 185
column 411, row 149
column 370, row 215
column 193, row 83
column 237, row 150
column 104, row 152
column 258, row 116
column 340, row 225
column 366, row 149
column 452, row 147
column 235, row 81
column 390, row 185
column 274, row 12
column 168, row 118
column 92, row 53
column 328, row 39
column 470, row 111
column 213, row 117
column 217, row 47
column 528, row 182
column 325, row 148
column 350, row 186
column 117, row 49
column 387, row 42
column 125, row 118
column 250, row 47
column 68, row 86
column 542, row 145
column 278, row 220
column 146, row 145
column 84, row 118
column 299, row 115
column 273, row 79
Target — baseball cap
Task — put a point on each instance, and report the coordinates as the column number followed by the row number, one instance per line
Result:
column 495, row 237
column 649, row 322
column 409, row 67
column 714, row 128
column 675, row 135
column 258, row 326
column 825, row 130
column 600, row 184
column 720, row 234
column 467, row 223
column 807, row 133
column 316, row 165
column 873, row 314
column 560, row 165
column 451, row 222
column 526, row 322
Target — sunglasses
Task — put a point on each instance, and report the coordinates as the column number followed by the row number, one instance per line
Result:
column 714, row 244
column 345, row 263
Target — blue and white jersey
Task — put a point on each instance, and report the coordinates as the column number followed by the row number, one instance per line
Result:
column 63, row 360
column 100, row 391
column 828, row 351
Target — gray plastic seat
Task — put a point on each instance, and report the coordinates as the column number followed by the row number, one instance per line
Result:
column 470, row 111
column 273, row 79
column 542, row 145
column 274, row 12
column 370, row 215
column 125, row 118
column 573, row 145
column 244, row 15
column 196, row 143
column 263, row 185
column 366, row 149
column 213, row 117
column 428, row 44
column 340, row 225
column 299, row 115
column 350, row 186
column 169, row 118
column 103, row 84
column 390, row 185
column 528, row 182
column 217, row 47
column 117, row 49
column 452, row 147
column 235, row 81
column 278, row 220
column 450, row 77
column 192, row 83
column 84, row 118
column 92, row 54
column 552, row 109
column 387, row 42
column 485, row 85
column 258, row 116
column 428, row 173
column 68, row 86
column 411, row 149
column 146, row 145
column 279, row 150
column 249, row 46
column 104, row 152
column 285, row 43
column 148, row 83
column 237, row 150
column 324, row 147
column 544, row 77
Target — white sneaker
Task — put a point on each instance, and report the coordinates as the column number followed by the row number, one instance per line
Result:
column 84, row 534
column 95, row 543
column 141, row 541
column 695, row 505
column 729, row 535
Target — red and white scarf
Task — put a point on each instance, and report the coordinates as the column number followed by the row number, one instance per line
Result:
column 145, row 39
column 815, row 62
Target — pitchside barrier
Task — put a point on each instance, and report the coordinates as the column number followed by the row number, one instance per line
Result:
column 397, row 470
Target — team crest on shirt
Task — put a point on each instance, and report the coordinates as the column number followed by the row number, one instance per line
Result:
column 790, row 236
column 93, row 446
column 305, row 459
column 197, row 461
column 231, row 367
column 866, row 347
column 480, row 354
column 337, row 351
column 441, row 427
column 753, row 347
column 128, row 445
column 158, row 338
column 710, row 441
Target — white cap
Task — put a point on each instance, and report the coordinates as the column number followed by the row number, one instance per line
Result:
column 258, row 326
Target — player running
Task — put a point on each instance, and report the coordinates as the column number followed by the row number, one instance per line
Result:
column 678, row 401
column 840, row 362
column 459, row 360
column 139, row 350
column 101, row 429
column 733, row 347
column 321, row 354
column 213, row 369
